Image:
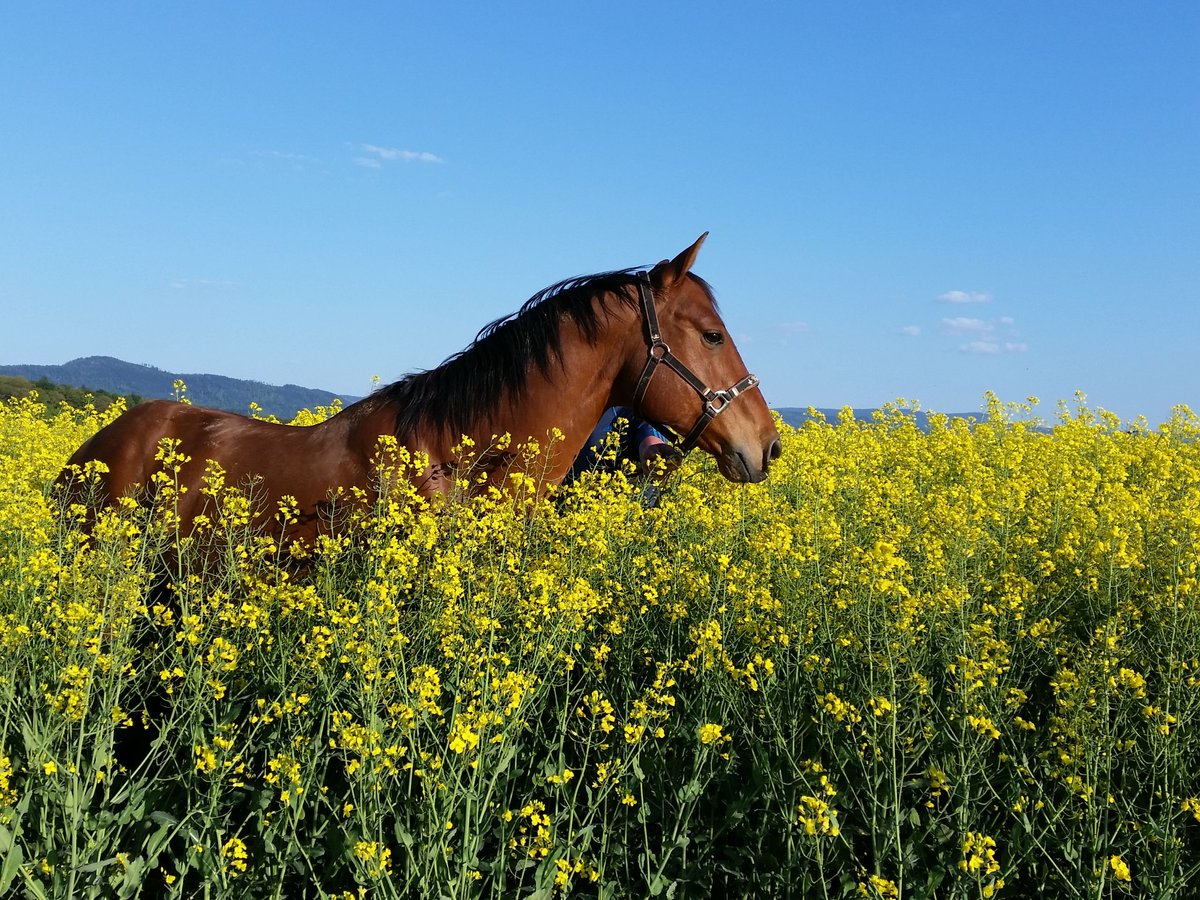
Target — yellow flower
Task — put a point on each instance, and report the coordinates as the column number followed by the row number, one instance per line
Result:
column 880, row 706
column 206, row 759
column 8, row 797
column 817, row 817
column 1120, row 868
column 710, row 733
column 233, row 851
column 979, row 855
column 878, row 886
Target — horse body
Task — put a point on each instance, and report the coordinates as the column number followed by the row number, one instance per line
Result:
column 272, row 460
column 568, row 354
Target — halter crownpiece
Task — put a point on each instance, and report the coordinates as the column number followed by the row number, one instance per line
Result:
column 659, row 351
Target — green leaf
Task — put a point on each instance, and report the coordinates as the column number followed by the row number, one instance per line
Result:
column 135, row 875
column 14, row 858
column 690, row 791
column 404, row 836
column 937, row 875
column 97, row 865
column 159, row 839
column 35, row 890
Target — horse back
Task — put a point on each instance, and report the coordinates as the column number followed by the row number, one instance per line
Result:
column 306, row 463
column 128, row 445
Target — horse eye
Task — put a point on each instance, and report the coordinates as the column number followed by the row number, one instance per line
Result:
column 714, row 338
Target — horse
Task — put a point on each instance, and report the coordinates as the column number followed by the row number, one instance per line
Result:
column 546, row 372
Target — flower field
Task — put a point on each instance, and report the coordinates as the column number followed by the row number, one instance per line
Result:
column 962, row 663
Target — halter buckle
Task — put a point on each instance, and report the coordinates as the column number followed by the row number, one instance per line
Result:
column 717, row 401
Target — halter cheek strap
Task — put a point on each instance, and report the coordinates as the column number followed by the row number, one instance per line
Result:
column 659, row 351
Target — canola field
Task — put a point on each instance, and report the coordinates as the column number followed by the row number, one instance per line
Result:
column 963, row 663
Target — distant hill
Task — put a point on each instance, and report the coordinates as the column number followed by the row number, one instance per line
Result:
column 797, row 416
column 104, row 375
column 115, row 376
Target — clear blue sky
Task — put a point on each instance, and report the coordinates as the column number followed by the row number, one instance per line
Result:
column 920, row 200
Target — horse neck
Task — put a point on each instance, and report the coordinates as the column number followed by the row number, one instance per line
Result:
column 571, row 398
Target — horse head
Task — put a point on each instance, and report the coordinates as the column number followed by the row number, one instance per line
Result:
column 708, row 397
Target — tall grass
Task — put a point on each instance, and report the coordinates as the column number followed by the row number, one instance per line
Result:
column 955, row 664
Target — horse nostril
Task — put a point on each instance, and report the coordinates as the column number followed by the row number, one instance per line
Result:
column 771, row 452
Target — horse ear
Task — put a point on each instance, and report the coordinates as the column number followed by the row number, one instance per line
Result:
column 670, row 272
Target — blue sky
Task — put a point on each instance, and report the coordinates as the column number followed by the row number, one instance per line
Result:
column 920, row 200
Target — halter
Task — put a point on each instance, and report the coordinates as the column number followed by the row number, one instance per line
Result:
column 659, row 351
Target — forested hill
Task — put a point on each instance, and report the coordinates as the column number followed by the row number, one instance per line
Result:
column 797, row 416
column 53, row 395
column 115, row 376
column 106, row 375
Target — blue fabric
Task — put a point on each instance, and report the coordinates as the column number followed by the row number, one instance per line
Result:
column 631, row 439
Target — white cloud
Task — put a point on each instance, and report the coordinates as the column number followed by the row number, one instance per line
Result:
column 988, row 336
column 785, row 330
column 965, row 297
column 966, row 325
column 991, row 347
column 911, row 330
column 987, row 347
column 367, row 162
column 393, row 154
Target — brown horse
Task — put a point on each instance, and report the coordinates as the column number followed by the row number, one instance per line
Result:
column 569, row 353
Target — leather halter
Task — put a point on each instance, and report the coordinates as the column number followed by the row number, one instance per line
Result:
column 659, row 351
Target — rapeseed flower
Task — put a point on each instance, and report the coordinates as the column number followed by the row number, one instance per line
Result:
column 1120, row 869
column 982, row 629
column 233, row 852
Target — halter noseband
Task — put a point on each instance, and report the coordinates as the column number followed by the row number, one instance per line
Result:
column 659, row 351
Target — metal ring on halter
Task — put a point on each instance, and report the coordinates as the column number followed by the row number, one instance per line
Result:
column 718, row 408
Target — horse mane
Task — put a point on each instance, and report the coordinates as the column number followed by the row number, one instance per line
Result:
column 495, row 366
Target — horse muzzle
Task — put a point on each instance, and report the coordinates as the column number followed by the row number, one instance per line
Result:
column 748, row 466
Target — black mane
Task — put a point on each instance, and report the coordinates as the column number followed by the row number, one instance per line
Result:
column 496, row 365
